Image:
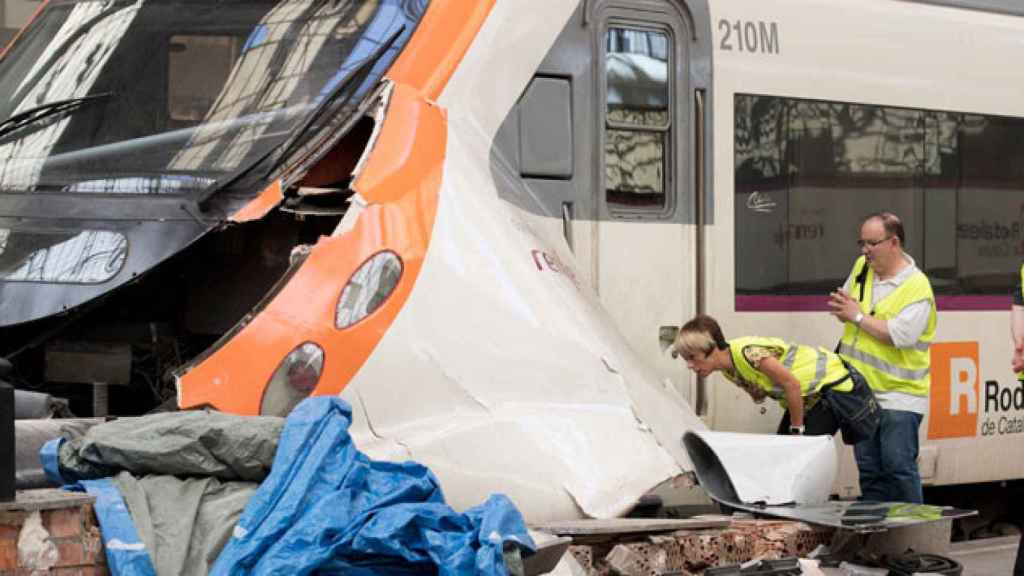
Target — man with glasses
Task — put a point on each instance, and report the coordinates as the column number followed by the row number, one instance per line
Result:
column 888, row 312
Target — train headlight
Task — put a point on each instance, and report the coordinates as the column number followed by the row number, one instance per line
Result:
column 294, row 379
column 368, row 288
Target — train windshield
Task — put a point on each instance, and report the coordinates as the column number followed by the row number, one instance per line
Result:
column 176, row 96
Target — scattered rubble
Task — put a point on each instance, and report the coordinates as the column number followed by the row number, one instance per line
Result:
column 690, row 552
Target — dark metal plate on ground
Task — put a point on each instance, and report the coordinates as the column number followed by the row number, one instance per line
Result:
column 546, row 558
column 627, row 526
column 859, row 516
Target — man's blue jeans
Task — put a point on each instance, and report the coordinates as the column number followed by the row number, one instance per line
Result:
column 887, row 462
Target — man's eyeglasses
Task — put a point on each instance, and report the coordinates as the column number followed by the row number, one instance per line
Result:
column 872, row 243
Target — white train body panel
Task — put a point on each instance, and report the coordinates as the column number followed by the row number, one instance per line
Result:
column 502, row 371
column 509, row 306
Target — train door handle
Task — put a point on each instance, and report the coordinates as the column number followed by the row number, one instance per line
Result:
column 666, row 337
column 567, row 223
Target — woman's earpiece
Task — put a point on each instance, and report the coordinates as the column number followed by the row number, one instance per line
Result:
column 720, row 342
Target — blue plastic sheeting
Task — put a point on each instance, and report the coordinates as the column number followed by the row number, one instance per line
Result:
column 126, row 553
column 327, row 508
column 49, row 457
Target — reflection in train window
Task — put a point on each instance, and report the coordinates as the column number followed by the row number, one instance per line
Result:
column 637, row 118
column 807, row 172
column 197, row 69
column 72, row 257
column 232, row 83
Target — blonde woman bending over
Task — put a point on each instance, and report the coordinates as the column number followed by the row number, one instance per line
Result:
column 820, row 392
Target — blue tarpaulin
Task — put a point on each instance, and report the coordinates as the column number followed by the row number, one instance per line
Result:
column 126, row 554
column 328, row 509
column 325, row 507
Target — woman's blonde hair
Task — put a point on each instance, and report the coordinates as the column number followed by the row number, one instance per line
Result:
column 701, row 334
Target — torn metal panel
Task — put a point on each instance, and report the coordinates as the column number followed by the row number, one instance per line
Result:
column 511, row 377
column 512, row 389
column 762, row 468
column 260, row 206
column 790, row 477
column 380, row 108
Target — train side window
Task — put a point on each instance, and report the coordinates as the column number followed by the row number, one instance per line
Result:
column 545, row 129
column 990, row 203
column 638, row 119
column 941, row 192
column 198, row 68
column 807, row 172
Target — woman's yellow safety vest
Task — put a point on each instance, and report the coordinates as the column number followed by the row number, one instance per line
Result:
column 886, row 367
column 812, row 367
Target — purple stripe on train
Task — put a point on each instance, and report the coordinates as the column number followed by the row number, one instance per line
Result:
column 819, row 303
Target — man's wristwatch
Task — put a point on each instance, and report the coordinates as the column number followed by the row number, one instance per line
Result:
column 858, row 318
column 796, row 430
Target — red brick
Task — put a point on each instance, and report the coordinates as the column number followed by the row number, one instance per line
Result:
column 73, row 571
column 63, row 522
column 8, row 556
column 70, row 552
column 13, row 519
column 9, row 532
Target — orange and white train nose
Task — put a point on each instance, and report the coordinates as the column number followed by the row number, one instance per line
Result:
column 327, row 303
column 433, row 315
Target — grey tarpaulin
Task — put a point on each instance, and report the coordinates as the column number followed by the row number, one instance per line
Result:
column 196, row 443
column 31, row 435
column 183, row 522
column 29, row 405
column 185, row 477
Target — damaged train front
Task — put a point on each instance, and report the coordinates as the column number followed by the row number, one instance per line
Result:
column 162, row 165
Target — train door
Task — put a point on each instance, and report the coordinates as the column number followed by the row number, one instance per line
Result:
column 645, row 241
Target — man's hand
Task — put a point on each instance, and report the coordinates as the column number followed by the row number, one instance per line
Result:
column 843, row 306
column 1018, row 358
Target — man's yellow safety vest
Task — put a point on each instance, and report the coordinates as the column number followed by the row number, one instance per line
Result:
column 812, row 367
column 886, row 367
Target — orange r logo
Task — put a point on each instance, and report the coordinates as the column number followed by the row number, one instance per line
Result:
column 954, row 390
